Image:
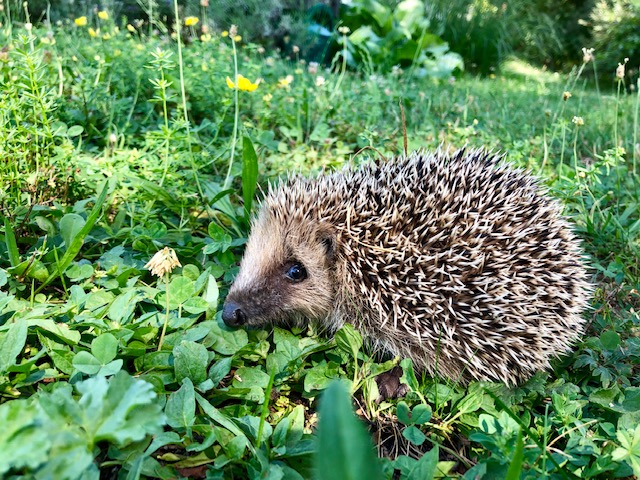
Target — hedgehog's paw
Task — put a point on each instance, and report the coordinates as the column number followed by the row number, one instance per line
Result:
column 389, row 385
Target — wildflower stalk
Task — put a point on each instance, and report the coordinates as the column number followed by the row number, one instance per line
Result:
column 635, row 129
column 236, row 116
column 184, row 97
column 166, row 315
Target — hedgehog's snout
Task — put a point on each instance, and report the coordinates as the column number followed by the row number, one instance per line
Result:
column 233, row 315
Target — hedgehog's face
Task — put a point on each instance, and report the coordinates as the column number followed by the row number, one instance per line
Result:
column 285, row 275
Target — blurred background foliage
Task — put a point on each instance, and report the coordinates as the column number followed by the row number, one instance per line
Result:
column 387, row 33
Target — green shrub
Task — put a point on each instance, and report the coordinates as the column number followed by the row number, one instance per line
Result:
column 616, row 35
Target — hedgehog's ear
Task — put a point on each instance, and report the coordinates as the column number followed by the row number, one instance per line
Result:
column 328, row 240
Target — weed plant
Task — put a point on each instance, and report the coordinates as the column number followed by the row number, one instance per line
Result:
column 115, row 147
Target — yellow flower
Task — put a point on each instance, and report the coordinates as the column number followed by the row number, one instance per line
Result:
column 243, row 84
column 92, row 32
column 237, row 38
column 204, row 38
column 225, row 34
column 285, row 82
column 191, row 21
column 103, row 15
column 131, row 28
column 163, row 262
column 80, row 21
column 106, row 36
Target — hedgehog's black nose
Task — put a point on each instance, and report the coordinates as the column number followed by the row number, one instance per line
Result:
column 232, row 315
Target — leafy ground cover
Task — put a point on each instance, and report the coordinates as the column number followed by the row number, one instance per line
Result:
column 116, row 145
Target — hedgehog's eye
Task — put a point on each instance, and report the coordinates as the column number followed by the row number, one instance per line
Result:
column 296, row 272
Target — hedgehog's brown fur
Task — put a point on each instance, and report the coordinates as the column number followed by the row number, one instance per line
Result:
column 459, row 263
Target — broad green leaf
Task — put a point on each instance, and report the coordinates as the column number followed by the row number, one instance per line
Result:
column 343, row 442
column 12, row 342
column 414, row 435
column 70, row 226
column 190, row 361
column 349, row 340
column 249, row 173
column 23, row 444
column 320, row 376
column 122, row 409
column 86, row 363
column 425, row 468
column 104, row 347
column 181, row 289
column 212, row 293
column 629, row 449
column 610, row 340
column 219, row 370
column 181, row 406
column 227, row 341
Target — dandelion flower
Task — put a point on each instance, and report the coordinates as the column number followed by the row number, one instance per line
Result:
column 191, row 21
column 620, row 69
column 103, row 15
column 164, row 261
column 92, row 32
column 225, row 34
column 131, row 28
column 237, row 38
column 80, row 21
column 243, row 84
column 587, row 55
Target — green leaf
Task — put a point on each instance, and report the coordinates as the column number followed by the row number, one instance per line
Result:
column 610, row 340
column 11, row 344
column 70, row 226
column 78, row 240
column 86, row 363
column 74, row 131
column 181, row 289
column 190, row 361
column 104, row 348
column 10, row 242
column 227, row 341
column 22, row 443
column 629, row 449
column 403, row 413
column 515, row 467
column 122, row 409
column 181, row 406
column 249, row 173
column 320, row 376
column 425, row 468
column 219, row 370
column 349, row 340
column 421, row 414
column 343, row 442
column 414, row 435
column 212, row 293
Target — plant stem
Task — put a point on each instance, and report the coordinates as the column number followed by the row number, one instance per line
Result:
column 236, row 117
column 166, row 317
column 184, row 97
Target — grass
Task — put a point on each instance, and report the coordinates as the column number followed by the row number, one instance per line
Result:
column 113, row 148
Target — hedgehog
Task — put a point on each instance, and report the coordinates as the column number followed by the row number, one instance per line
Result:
column 457, row 261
